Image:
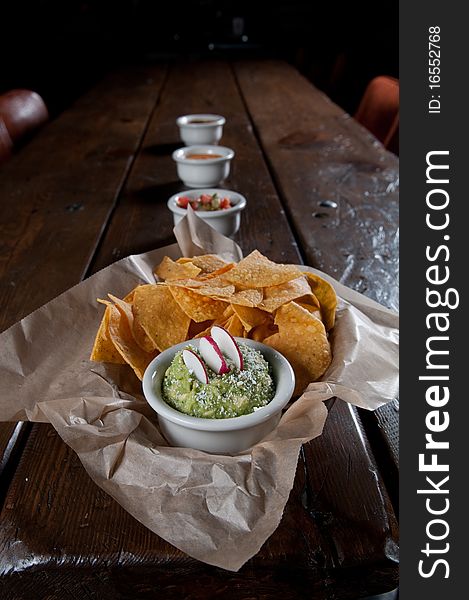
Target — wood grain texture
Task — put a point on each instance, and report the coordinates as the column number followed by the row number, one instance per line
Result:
column 12, row 436
column 57, row 194
column 318, row 154
column 212, row 88
column 340, row 188
column 143, row 221
column 337, row 538
column 388, row 420
column 58, row 530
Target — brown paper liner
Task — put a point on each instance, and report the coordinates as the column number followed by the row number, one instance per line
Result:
column 217, row 509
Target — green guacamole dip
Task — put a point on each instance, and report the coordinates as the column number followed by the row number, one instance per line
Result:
column 231, row 395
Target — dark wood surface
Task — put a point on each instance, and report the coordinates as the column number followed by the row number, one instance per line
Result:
column 59, row 532
column 340, row 188
column 57, row 195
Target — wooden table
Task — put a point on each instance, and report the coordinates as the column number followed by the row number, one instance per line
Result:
column 92, row 188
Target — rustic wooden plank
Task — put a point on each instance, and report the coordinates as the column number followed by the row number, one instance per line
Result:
column 382, row 427
column 355, row 520
column 298, row 560
column 91, row 547
column 143, row 221
column 319, row 154
column 57, row 194
column 64, row 536
column 247, row 178
column 388, row 420
column 339, row 186
column 11, row 439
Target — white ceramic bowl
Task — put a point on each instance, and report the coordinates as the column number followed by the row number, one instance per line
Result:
column 200, row 129
column 203, row 172
column 226, row 220
column 218, row 436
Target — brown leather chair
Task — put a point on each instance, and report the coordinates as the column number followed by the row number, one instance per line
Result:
column 6, row 144
column 379, row 111
column 21, row 113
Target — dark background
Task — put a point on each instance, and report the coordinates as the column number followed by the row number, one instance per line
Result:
column 61, row 47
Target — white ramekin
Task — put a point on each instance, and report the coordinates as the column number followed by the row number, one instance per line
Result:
column 203, row 172
column 200, row 133
column 218, row 436
column 226, row 220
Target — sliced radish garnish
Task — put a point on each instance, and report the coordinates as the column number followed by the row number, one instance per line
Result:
column 195, row 365
column 212, row 355
column 228, row 345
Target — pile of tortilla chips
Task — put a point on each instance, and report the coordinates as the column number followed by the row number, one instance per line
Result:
column 276, row 304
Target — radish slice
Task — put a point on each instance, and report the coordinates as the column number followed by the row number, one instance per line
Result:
column 195, row 365
column 212, row 355
column 228, row 345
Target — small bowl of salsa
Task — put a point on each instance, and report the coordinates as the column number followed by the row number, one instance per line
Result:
column 203, row 166
column 221, row 209
column 200, row 128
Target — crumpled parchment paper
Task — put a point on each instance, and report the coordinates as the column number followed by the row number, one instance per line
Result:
column 217, row 509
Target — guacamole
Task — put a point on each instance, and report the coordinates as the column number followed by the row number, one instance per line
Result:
column 231, row 395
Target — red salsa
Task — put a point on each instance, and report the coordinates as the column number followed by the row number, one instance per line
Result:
column 200, row 121
column 203, row 156
column 205, row 202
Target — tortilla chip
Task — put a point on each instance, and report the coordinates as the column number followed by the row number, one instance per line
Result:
column 249, row 316
column 247, row 297
column 302, row 339
column 309, row 299
column 169, row 270
column 220, row 271
column 327, row 297
column 263, row 331
column 277, row 295
column 197, row 306
column 257, row 271
column 312, row 308
column 213, row 287
column 160, row 316
column 228, row 312
column 103, row 347
column 234, row 326
column 124, row 341
column 208, row 263
column 256, row 298
column 138, row 332
column 130, row 297
column 204, row 332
